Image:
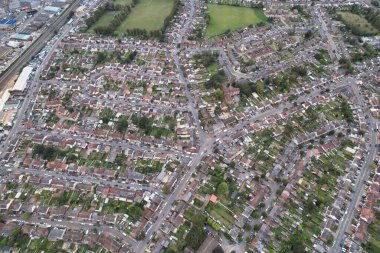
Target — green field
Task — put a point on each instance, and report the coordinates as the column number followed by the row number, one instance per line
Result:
column 103, row 21
column 357, row 24
column 108, row 16
column 221, row 213
column 224, row 18
column 148, row 15
column 123, row 2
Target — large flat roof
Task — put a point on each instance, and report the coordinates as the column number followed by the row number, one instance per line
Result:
column 22, row 79
column 7, row 21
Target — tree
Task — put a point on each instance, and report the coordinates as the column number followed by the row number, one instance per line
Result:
column 346, row 111
column 166, row 189
column 222, row 188
column 259, row 88
column 196, row 235
column 135, row 212
column 106, row 114
column 38, row 149
column 256, row 214
column 213, row 224
column 218, row 249
column 219, row 94
column 375, row 3
column 101, row 57
column 26, row 216
column 247, row 227
column 141, row 236
column 122, row 124
column 308, row 34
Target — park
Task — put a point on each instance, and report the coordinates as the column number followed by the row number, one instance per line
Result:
column 224, row 18
column 358, row 24
column 144, row 15
column 148, row 15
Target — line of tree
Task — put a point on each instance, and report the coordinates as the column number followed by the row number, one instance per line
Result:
column 101, row 11
column 123, row 12
column 373, row 17
column 346, row 111
column 157, row 33
column 145, row 34
column 245, row 3
column 173, row 12
column 110, row 29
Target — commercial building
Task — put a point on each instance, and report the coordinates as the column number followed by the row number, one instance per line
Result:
column 52, row 9
column 21, row 37
column 22, row 79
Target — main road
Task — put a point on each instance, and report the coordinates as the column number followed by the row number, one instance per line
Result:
column 38, row 44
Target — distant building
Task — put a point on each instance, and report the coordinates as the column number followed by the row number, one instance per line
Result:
column 22, row 79
column 52, row 9
column 7, row 24
column 21, row 37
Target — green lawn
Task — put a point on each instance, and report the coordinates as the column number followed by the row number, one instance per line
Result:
column 220, row 213
column 103, row 21
column 148, row 15
column 108, row 16
column 123, row 2
column 226, row 17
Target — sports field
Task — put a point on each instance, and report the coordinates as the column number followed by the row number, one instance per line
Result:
column 148, row 15
column 226, row 17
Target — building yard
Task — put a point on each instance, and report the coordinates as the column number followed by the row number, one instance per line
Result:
column 147, row 15
column 224, row 18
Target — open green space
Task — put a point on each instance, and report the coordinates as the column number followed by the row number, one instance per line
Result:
column 220, row 213
column 103, row 21
column 225, row 18
column 357, row 24
column 123, row 2
column 107, row 17
column 148, row 15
